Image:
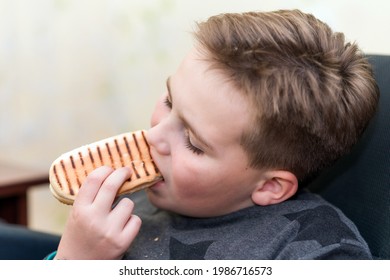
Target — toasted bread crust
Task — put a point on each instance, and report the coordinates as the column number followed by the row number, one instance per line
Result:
column 68, row 172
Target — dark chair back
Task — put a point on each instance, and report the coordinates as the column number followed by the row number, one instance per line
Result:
column 359, row 183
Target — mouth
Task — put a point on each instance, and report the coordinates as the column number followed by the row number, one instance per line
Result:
column 158, row 184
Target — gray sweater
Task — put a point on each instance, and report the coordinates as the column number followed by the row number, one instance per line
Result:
column 304, row 227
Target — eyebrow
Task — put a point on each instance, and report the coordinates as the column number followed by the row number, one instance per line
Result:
column 195, row 134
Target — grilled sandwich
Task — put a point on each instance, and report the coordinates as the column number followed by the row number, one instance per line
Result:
column 68, row 172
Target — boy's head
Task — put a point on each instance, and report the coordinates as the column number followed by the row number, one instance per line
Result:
column 312, row 94
column 263, row 99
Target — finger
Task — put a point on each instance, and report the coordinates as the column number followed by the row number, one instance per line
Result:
column 131, row 229
column 107, row 193
column 127, row 235
column 122, row 212
column 92, row 184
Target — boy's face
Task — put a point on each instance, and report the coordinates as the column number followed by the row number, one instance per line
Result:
column 195, row 141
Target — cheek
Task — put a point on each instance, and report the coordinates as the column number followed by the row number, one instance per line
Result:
column 191, row 178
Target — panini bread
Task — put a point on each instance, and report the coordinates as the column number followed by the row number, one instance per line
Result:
column 68, row 172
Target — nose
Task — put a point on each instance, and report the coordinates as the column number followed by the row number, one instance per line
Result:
column 158, row 140
column 157, row 135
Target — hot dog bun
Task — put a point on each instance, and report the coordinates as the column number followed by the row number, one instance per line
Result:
column 68, row 172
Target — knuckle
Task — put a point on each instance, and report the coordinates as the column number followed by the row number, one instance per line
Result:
column 110, row 186
column 127, row 202
column 77, row 214
column 98, row 175
column 92, row 179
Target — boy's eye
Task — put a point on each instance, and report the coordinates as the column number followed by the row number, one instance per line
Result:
column 191, row 147
column 167, row 102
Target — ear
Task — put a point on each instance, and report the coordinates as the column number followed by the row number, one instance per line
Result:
column 277, row 186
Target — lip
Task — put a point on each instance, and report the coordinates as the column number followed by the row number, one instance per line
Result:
column 154, row 189
column 158, row 184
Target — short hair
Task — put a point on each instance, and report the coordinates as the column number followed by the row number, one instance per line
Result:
column 312, row 93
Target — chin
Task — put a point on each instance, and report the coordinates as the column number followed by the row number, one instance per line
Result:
column 158, row 200
column 156, row 197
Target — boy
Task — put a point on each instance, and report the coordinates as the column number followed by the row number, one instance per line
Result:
column 262, row 102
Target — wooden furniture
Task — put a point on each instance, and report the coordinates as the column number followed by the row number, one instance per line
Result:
column 14, row 184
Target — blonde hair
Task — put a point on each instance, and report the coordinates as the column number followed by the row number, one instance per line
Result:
column 312, row 93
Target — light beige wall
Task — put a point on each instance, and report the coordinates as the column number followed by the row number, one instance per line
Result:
column 75, row 71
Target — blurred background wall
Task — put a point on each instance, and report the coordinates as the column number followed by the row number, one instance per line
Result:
column 76, row 71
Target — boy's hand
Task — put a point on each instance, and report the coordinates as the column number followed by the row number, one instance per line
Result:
column 94, row 230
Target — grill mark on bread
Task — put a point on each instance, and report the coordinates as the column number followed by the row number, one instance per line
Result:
column 81, row 158
column 72, row 162
column 74, row 170
column 131, row 157
column 109, row 153
column 119, row 152
column 140, row 154
column 57, row 179
column 100, row 155
column 147, row 145
column 66, row 177
column 91, row 158
column 82, row 163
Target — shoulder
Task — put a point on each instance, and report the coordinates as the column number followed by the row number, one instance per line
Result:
column 304, row 227
column 321, row 231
